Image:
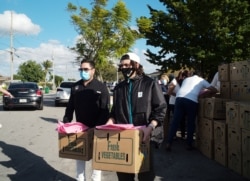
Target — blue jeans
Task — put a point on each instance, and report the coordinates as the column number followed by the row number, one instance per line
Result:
column 183, row 107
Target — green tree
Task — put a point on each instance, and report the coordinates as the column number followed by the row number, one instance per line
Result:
column 58, row 80
column 108, row 72
column 197, row 34
column 16, row 77
column 105, row 34
column 30, row 71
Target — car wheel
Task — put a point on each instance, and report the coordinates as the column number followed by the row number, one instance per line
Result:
column 40, row 106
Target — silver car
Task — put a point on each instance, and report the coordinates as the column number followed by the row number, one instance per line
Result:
column 63, row 93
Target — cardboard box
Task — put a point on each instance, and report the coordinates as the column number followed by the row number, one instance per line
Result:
column 245, row 115
column 234, row 138
column 232, row 114
column 215, row 108
column 201, row 107
column 235, row 160
column 120, row 151
column 235, row 90
column 235, row 68
column 205, row 127
column 220, row 154
column 244, row 88
column 244, row 70
column 206, row 147
column 246, row 168
column 78, row 146
column 245, row 143
column 225, row 90
column 220, row 132
column 245, row 153
column 234, row 149
column 223, row 70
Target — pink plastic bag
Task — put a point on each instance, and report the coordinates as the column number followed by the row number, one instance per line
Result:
column 119, row 127
column 73, row 127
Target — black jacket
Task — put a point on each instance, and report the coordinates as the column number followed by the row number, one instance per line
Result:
column 147, row 102
column 90, row 103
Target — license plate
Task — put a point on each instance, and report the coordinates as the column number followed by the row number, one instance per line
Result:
column 22, row 100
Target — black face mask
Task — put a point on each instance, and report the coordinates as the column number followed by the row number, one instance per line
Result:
column 127, row 72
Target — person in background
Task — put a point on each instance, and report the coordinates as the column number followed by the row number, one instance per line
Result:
column 215, row 82
column 163, row 83
column 138, row 100
column 159, row 132
column 6, row 93
column 186, row 104
column 89, row 99
column 167, row 118
column 173, row 88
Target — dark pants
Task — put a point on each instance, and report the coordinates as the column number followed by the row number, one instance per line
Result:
column 143, row 176
column 182, row 122
column 183, row 107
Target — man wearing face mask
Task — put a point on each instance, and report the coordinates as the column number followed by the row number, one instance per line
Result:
column 89, row 99
column 137, row 100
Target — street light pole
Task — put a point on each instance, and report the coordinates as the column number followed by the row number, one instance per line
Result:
column 117, row 75
column 11, row 47
column 53, row 69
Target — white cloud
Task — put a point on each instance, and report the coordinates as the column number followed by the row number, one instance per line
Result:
column 53, row 50
column 61, row 55
column 21, row 24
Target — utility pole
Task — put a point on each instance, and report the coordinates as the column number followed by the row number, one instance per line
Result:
column 11, row 47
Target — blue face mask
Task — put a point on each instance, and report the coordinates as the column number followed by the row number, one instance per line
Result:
column 164, row 82
column 84, row 75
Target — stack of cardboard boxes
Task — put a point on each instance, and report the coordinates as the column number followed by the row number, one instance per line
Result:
column 110, row 150
column 223, row 125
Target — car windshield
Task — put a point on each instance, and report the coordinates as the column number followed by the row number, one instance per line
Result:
column 66, row 84
column 15, row 86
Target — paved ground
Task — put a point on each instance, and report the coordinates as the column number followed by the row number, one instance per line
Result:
column 183, row 165
column 29, row 156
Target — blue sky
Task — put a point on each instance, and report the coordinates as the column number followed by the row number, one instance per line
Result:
column 42, row 30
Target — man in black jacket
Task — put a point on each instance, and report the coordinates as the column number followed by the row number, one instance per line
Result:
column 89, row 99
column 137, row 100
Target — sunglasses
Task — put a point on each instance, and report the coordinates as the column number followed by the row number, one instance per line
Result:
column 84, row 69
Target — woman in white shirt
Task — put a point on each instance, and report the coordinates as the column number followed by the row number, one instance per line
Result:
column 173, row 88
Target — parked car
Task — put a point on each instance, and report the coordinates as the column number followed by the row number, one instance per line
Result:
column 63, row 93
column 111, row 86
column 26, row 94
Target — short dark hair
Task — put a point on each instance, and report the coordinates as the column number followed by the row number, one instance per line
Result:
column 124, row 57
column 91, row 62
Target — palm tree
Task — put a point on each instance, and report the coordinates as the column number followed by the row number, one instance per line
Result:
column 47, row 64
